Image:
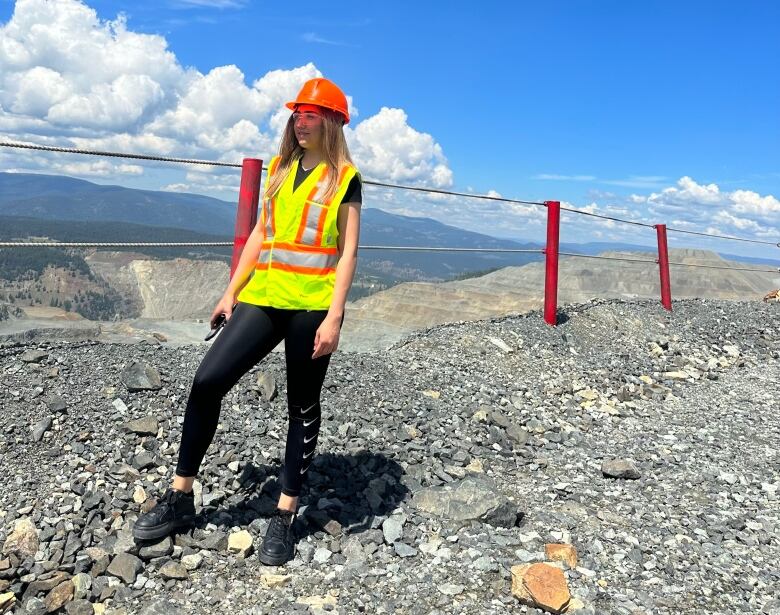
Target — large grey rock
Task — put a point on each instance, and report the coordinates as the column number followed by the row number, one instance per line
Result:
column 126, row 567
column 55, row 403
column 471, row 498
column 267, row 384
column 143, row 461
column 393, row 528
column 620, row 468
column 216, row 541
column 35, row 606
column 73, row 544
column 140, row 376
column 517, row 434
column 159, row 549
column 40, row 428
column 404, row 550
column 82, row 583
column 33, row 356
column 353, row 550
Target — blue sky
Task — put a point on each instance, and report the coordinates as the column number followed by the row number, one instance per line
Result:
column 599, row 104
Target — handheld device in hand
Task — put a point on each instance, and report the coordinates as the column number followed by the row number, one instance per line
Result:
column 218, row 324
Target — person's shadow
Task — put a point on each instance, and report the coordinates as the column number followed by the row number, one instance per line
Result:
column 351, row 489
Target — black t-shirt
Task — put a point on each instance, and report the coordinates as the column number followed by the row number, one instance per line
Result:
column 354, row 193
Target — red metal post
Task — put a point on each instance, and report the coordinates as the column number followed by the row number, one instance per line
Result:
column 246, row 215
column 663, row 266
column 551, row 262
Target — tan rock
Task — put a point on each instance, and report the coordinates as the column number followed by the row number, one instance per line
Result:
column 475, row 466
column 241, row 543
column 480, row 416
column 7, row 602
column 656, row 350
column 432, row 394
column 561, row 552
column 413, row 432
column 608, row 409
column 192, row 562
column 58, row 596
column 588, row 394
column 275, row 580
column 541, row 585
column 678, row 375
column 139, row 495
column 100, row 608
column 575, row 604
column 23, row 540
column 646, row 379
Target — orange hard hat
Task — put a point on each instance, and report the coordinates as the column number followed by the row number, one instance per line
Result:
column 323, row 93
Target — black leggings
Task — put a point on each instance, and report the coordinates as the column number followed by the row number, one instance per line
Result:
column 250, row 334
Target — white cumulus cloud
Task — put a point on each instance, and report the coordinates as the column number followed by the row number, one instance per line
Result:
column 387, row 146
column 70, row 78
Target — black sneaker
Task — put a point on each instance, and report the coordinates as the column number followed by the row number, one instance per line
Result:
column 278, row 545
column 175, row 509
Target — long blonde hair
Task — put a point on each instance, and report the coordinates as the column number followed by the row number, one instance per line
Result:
column 334, row 151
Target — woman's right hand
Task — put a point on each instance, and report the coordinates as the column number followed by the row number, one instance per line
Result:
column 225, row 306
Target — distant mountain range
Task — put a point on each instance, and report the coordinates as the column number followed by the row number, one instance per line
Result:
column 25, row 198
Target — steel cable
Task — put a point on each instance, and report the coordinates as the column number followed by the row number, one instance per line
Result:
column 67, row 150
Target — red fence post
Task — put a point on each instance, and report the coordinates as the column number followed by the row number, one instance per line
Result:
column 246, row 215
column 663, row 266
column 551, row 262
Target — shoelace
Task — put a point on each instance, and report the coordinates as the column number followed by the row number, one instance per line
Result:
column 168, row 498
column 280, row 525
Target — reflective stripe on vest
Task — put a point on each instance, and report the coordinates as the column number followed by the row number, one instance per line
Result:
column 305, row 261
column 296, row 267
column 268, row 204
column 313, row 217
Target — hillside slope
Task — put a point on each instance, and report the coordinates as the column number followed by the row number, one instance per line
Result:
column 392, row 313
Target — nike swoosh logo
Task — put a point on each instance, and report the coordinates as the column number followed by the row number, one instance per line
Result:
column 309, row 454
column 307, row 423
column 304, row 469
column 306, row 441
column 309, row 408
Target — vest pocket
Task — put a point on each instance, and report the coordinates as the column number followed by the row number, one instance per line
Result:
column 312, row 223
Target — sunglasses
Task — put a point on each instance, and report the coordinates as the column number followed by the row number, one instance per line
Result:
column 307, row 117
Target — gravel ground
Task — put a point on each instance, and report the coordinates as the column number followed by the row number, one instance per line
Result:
column 646, row 439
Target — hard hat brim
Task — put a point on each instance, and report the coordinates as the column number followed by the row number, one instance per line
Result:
column 294, row 103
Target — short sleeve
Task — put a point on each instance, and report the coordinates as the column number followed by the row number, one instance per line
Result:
column 354, row 193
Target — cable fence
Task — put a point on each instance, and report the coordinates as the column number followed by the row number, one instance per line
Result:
column 247, row 214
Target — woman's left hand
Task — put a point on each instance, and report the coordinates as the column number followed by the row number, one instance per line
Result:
column 327, row 338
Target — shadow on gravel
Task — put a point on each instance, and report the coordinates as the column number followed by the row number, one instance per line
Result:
column 351, row 489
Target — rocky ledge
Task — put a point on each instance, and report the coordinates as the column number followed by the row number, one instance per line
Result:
column 624, row 462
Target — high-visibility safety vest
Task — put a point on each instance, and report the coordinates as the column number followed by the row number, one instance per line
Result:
column 296, row 269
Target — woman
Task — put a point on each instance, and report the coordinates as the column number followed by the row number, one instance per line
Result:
column 291, row 284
